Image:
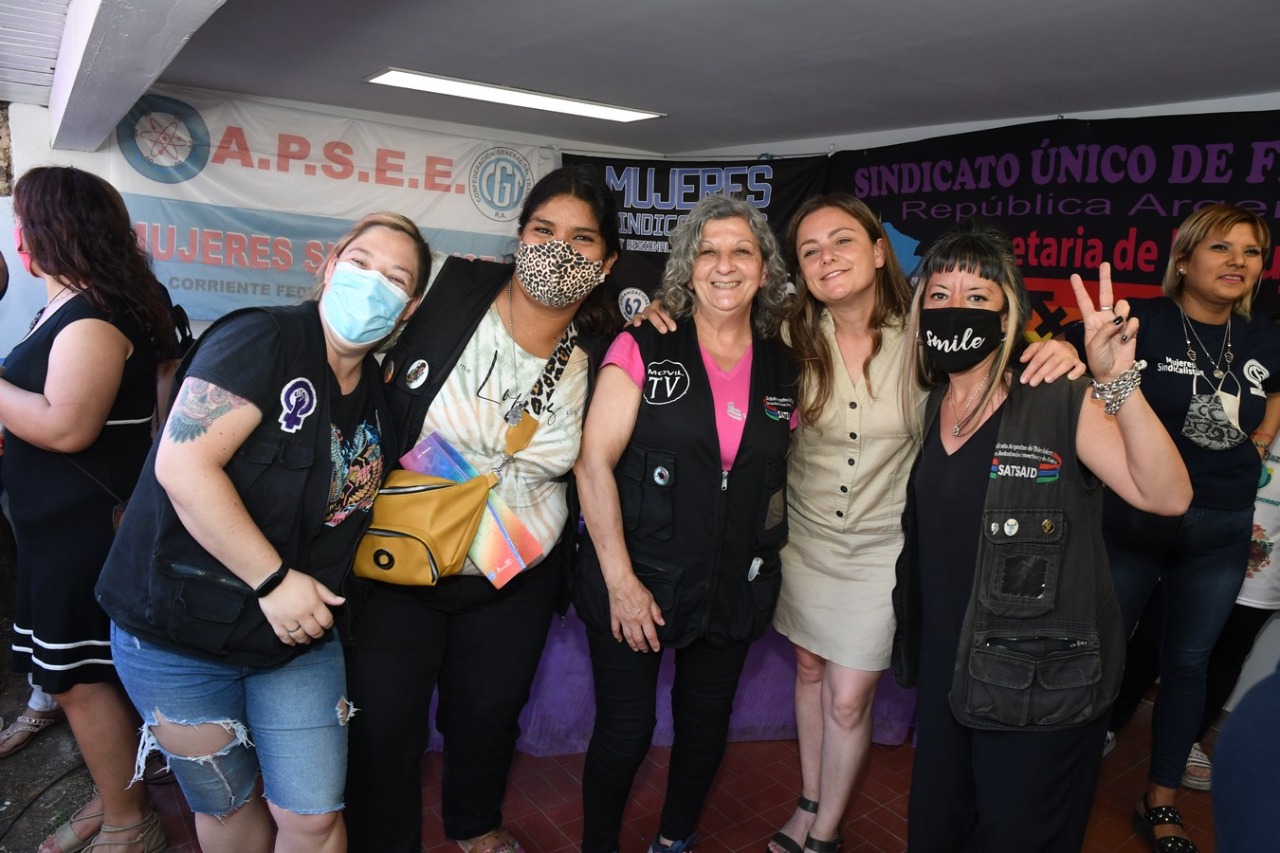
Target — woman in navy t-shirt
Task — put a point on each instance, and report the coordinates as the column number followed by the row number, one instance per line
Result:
column 1212, row 367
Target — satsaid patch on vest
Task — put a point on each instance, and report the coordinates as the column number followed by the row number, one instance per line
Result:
column 1025, row 462
column 416, row 374
column 665, row 382
column 297, row 401
column 779, row 408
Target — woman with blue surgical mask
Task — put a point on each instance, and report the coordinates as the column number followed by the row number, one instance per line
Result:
column 223, row 583
column 493, row 344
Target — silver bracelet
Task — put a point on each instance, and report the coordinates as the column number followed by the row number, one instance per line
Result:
column 1115, row 392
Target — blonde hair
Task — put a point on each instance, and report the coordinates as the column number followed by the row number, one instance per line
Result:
column 1210, row 221
column 383, row 219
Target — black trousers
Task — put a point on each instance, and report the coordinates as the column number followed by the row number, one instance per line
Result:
column 999, row 791
column 481, row 647
column 1142, row 663
column 626, row 685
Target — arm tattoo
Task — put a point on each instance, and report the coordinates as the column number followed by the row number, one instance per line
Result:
column 199, row 404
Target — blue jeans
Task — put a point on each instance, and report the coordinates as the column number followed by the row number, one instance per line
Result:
column 1199, row 559
column 289, row 721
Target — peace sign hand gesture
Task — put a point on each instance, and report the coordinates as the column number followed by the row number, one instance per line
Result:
column 1110, row 334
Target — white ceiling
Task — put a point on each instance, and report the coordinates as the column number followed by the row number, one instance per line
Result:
column 727, row 73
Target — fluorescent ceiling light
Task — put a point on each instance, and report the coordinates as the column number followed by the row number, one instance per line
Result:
column 504, row 95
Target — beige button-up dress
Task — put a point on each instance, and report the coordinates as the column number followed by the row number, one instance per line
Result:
column 846, row 490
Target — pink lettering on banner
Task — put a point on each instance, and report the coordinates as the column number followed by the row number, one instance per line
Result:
column 290, row 148
column 387, row 164
column 338, row 155
column 1194, row 163
column 233, row 147
column 439, row 174
column 215, row 248
column 1263, row 160
column 337, row 162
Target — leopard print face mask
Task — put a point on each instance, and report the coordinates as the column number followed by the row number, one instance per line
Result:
column 556, row 274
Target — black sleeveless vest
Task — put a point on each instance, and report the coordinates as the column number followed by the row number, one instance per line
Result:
column 704, row 541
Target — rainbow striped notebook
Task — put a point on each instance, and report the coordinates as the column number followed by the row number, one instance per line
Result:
column 503, row 546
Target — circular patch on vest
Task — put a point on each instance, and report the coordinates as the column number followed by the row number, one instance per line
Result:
column 665, row 382
column 416, row 375
column 632, row 301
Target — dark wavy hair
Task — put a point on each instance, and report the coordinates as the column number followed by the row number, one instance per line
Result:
column 598, row 314
column 893, row 302
column 77, row 229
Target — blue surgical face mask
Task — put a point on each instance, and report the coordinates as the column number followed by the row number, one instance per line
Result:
column 360, row 306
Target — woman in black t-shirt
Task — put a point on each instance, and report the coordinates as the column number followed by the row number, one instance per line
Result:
column 222, row 580
column 1007, row 622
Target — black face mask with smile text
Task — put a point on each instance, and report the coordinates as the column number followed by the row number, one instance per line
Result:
column 958, row 338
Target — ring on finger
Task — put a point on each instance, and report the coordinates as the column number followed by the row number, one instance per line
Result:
column 1106, row 307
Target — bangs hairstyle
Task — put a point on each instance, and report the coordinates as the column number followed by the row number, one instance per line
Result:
column 772, row 301
column 77, row 229
column 598, row 314
column 1209, row 222
column 979, row 248
column 892, row 302
column 385, row 219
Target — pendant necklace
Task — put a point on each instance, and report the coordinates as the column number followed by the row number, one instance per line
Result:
column 57, row 297
column 516, row 412
column 1224, row 355
column 963, row 418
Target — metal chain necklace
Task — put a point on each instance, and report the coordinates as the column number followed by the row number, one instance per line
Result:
column 56, row 298
column 962, row 419
column 1189, row 331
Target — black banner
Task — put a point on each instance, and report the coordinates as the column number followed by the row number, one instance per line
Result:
column 1075, row 193
column 654, row 196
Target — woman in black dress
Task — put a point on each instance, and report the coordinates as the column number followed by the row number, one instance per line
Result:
column 76, row 401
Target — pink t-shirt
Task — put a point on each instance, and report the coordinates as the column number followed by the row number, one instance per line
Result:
column 730, row 390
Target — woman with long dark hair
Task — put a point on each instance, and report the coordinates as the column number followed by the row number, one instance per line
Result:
column 76, row 401
column 493, row 344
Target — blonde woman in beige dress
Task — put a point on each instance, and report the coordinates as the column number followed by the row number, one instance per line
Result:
column 846, row 488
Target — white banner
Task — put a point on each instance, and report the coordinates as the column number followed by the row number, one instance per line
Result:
column 238, row 201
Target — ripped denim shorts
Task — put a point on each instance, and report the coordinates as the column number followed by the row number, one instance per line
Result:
column 287, row 722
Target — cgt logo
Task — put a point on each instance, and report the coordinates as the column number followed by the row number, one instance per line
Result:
column 164, row 139
column 500, row 179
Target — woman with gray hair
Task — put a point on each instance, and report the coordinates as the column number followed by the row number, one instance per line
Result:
column 683, row 481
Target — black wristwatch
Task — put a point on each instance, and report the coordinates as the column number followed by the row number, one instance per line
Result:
column 270, row 583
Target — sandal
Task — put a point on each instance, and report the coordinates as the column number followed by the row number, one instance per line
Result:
column 786, row 842
column 24, row 729
column 150, row 835
column 1198, row 775
column 819, row 846
column 1147, row 817
column 494, row 841
column 66, row 837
